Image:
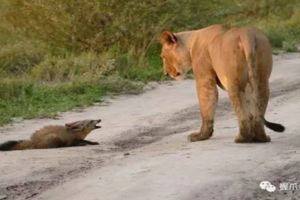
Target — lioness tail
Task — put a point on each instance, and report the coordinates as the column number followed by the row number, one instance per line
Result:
column 274, row 126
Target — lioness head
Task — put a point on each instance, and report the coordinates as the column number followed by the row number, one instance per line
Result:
column 175, row 55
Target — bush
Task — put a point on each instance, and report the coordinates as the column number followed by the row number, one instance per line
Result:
column 15, row 88
column 87, row 66
column 276, row 37
column 289, row 46
column 133, row 26
column 19, row 58
column 282, row 26
column 146, row 69
column 95, row 25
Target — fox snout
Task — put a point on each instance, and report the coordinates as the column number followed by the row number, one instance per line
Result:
column 97, row 122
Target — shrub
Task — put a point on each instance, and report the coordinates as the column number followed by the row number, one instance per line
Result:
column 96, row 25
column 86, row 66
column 289, row 46
column 15, row 88
column 19, row 58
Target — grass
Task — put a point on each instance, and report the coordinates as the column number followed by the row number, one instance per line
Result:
column 143, row 70
column 26, row 99
column 19, row 58
column 59, row 83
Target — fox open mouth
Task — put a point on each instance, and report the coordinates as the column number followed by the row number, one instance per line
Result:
column 96, row 126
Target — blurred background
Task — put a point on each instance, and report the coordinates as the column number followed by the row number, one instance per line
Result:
column 56, row 55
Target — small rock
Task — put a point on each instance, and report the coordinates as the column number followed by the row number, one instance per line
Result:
column 126, row 154
column 2, row 197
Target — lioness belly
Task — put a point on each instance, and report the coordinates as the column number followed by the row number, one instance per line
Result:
column 223, row 84
column 232, row 75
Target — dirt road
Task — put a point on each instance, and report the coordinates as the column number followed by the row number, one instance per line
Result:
column 144, row 154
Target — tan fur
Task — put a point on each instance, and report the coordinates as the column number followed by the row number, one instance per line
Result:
column 71, row 134
column 239, row 60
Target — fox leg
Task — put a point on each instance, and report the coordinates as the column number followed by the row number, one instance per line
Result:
column 84, row 143
column 90, row 142
column 208, row 97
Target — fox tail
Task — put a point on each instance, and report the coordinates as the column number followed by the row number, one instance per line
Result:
column 15, row 145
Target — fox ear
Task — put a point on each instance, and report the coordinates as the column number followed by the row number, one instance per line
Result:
column 168, row 37
column 72, row 125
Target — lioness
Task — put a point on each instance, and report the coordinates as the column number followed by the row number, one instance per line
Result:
column 238, row 60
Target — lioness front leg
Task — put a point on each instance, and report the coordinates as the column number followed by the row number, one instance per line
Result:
column 208, row 97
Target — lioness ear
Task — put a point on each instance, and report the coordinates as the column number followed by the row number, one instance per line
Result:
column 168, row 37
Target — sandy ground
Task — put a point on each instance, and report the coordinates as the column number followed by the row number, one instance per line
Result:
column 144, row 153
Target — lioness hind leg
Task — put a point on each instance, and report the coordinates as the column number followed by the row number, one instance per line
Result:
column 260, row 135
column 245, row 119
column 245, row 134
column 263, row 90
column 208, row 97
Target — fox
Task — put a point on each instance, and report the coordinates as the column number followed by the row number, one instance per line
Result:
column 56, row 136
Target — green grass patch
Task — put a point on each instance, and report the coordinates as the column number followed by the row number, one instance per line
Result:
column 61, row 83
column 26, row 99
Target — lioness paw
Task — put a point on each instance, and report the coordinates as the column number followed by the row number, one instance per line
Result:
column 262, row 138
column 194, row 137
column 241, row 139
